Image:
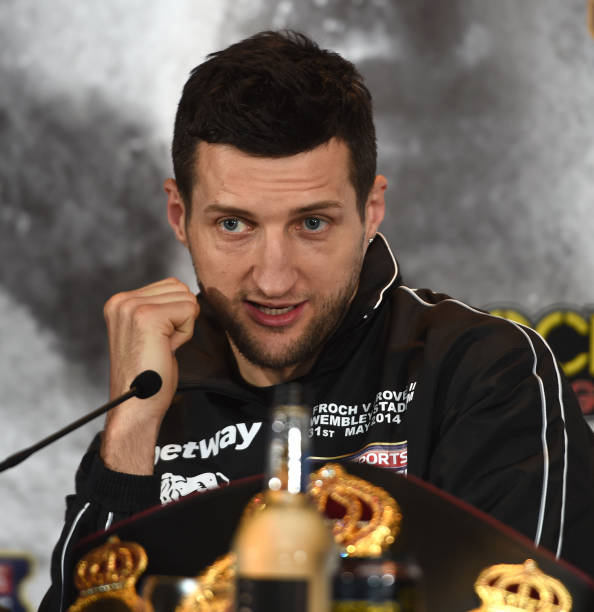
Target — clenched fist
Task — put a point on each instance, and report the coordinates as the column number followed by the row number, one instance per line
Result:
column 145, row 327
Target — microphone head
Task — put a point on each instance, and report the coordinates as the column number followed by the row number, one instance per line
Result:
column 146, row 384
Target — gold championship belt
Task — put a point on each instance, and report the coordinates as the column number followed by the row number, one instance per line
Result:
column 366, row 522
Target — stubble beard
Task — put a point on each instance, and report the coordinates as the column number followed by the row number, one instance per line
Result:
column 328, row 313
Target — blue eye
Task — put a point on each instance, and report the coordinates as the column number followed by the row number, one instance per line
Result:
column 233, row 225
column 314, row 224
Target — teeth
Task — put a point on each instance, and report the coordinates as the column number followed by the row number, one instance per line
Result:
column 275, row 311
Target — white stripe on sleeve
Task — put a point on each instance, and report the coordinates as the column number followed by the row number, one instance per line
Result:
column 545, row 450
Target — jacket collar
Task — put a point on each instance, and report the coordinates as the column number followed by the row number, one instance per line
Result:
column 379, row 273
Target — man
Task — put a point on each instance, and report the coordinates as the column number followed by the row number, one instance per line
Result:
column 277, row 200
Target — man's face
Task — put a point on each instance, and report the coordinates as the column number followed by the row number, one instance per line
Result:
column 277, row 245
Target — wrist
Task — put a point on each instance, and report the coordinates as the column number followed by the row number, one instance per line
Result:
column 128, row 442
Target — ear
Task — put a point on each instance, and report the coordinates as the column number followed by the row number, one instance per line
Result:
column 176, row 211
column 375, row 207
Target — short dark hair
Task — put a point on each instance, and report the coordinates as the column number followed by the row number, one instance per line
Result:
column 276, row 94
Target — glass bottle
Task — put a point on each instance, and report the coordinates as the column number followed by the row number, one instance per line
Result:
column 285, row 552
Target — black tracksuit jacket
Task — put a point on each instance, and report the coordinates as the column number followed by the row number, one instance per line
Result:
column 412, row 381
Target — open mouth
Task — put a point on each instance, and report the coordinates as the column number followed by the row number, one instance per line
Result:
column 274, row 311
column 275, row 316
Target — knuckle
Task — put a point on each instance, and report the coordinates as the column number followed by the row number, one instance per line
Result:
column 172, row 280
column 143, row 312
column 190, row 304
column 180, row 284
column 112, row 304
column 128, row 307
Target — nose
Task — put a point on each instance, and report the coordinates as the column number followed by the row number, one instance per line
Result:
column 275, row 270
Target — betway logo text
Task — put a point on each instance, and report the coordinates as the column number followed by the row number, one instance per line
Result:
column 239, row 436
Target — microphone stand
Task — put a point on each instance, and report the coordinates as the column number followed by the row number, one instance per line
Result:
column 144, row 385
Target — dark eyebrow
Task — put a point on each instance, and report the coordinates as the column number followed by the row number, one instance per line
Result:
column 315, row 206
column 236, row 210
column 226, row 210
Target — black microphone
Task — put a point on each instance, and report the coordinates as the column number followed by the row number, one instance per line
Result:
column 145, row 385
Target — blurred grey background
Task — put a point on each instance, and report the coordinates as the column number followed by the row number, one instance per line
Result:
column 485, row 117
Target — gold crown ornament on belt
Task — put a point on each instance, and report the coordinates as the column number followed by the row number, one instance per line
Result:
column 110, row 573
column 520, row 588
